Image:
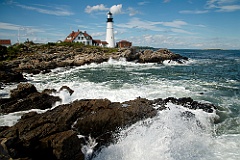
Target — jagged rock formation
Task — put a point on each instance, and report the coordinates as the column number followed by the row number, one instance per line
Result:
column 36, row 60
column 26, row 97
column 54, row 134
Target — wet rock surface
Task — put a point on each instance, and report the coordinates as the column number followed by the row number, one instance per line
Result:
column 42, row 60
column 26, row 97
column 55, row 133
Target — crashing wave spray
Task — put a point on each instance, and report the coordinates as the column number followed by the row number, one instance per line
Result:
column 87, row 149
column 170, row 135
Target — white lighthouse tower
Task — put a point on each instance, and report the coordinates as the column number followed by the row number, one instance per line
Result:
column 109, row 34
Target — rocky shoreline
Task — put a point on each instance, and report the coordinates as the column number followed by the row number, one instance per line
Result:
column 70, row 131
column 81, row 128
column 34, row 59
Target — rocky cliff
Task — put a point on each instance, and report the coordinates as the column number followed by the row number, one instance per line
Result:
column 68, row 131
column 36, row 59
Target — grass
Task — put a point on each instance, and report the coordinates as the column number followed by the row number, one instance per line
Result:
column 16, row 50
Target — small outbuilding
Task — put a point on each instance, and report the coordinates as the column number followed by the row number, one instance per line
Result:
column 5, row 42
column 124, row 44
column 97, row 42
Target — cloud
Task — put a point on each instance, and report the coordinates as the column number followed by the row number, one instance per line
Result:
column 166, row 1
column 223, row 5
column 229, row 8
column 215, row 6
column 132, row 11
column 100, row 7
column 177, row 30
column 98, row 34
column 116, row 9
column 57, row 10
column 137, row 23
column 9, row 26
column 142, row 3
column 194, row 12
column 175, row 24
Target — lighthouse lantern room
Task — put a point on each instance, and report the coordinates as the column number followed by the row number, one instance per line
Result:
column 110, row 34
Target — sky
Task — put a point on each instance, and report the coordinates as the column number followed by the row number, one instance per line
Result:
column 173, row 24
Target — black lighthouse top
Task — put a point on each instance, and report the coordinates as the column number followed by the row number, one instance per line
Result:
column 109, row 19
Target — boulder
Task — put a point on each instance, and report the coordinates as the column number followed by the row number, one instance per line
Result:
column 54, row 134
column 9, row 76
column 26, row 97
column 149, row 56
column 23, row 90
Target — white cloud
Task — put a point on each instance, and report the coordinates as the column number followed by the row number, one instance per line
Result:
column 137, row 23
column 142, row 3
column 223, row 5
column 166, row 1
column 177, row 30
column 176, row 24
column 15, row 27
column 100, row 7
column 193, row 12
column 116, row 9
column 58, row 10
column 98, row 34
column 174, row 41
column 132, row 11
column 229, row 8
column 9, row 26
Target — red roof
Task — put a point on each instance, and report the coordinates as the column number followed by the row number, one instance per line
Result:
column 5, row 42
column 124, row 41
column 73, row 35
column 104, row 42
column 87, row 35
column 97, row 41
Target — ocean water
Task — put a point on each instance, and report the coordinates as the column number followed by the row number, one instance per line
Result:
column 209, row 76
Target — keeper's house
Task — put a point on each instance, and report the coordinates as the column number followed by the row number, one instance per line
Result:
column 85, row 38
column 79, row 36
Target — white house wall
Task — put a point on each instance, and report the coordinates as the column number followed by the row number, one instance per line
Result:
column 82, row 39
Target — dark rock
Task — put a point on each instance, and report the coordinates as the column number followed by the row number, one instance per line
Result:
column 64, row 56
column 149, row 56
column 26, row 97
column 189, row 103
column 188, row 115
column 107, row 117
column 64, row 145
column 23, row 90
column 66, row 88
column 53, row 134
column 33, row 101
column 49, row 91
column 2, row 128
column 9, row 76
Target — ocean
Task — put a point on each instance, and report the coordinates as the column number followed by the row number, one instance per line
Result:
column 209, row 76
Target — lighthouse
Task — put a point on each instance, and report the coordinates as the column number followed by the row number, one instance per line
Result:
column 109, row 33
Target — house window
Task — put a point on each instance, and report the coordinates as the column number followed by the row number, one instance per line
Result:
column 82, row 38
column 78, row 38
